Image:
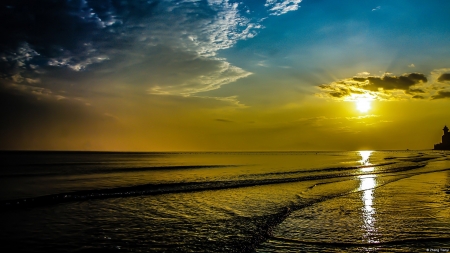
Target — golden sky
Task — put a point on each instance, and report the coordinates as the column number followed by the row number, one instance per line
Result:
column 224, row 75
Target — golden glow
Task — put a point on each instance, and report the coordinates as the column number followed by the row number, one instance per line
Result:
column 367, row 185
column 363, row 104
column 365, row 156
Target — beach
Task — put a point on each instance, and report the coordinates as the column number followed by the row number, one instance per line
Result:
column 352, row 201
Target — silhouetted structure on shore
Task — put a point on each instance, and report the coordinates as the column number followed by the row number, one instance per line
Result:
column 445, row 145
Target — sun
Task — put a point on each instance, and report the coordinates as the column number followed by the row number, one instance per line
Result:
column 363, row 104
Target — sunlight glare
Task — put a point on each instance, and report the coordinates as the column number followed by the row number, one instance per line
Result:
column 365, row 156
column 368, row 183
column 367, row 186
column 363, row 104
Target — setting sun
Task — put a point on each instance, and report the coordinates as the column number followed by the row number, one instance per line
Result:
column 363, row 104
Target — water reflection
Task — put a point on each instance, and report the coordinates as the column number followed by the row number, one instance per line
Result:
column 365, row 160
column 367, row 184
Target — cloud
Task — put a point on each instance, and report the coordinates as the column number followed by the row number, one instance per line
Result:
column 388, row 82
column 363, row 74
column 110, row 116
column 418, row 97
column 340, row 124
column 280, row 7
column 411, row 65
column 363, row 117
column 338, row 118
column 190, row 75
column 45, row 32
column 376, row 8
column 230, row 100
column 313, row 121
column 441, row 94
column 313, row 118
column 44, row 40
column 444, row 77
column 78, row 34
column 37, row 91
column 385, row 87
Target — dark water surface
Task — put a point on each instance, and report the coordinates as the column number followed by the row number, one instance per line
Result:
column 361, row 201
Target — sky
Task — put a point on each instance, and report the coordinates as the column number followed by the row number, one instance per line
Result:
column 223, row 75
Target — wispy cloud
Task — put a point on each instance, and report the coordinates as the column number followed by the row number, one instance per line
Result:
column 341, row 124
column 280, row 7
column 230, row 100
column 37, row 91
column 110, row 116
column 211, row 77
column 363, row 117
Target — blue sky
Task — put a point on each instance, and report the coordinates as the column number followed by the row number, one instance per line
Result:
column 221, row 75
column 380, row 35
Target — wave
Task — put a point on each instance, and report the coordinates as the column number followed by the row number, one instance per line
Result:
column 263, row 227
column 156, row 189
column 333, row 169
column 420, row 157
column 117, row 170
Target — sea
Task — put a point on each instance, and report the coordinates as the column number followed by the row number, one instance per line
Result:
column 352, row 201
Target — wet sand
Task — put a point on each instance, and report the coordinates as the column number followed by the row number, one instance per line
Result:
column 411, row 214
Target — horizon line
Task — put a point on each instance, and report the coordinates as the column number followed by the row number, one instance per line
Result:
column 207, row 151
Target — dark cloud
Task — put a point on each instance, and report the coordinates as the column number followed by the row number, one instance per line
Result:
column 444, row 77
column 56, row 33
column 441, row 94
column 413, row 91
column 416, row 91
column 387, row 82
column 340, row 93
column 336, row 92
column 39, row 38
column 67, row 33
column 359, row 79
column 383, row 87
column 50, row 26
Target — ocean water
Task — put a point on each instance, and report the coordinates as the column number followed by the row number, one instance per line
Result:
column 359, row 201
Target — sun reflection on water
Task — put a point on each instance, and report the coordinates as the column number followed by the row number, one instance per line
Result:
column 365, row 156
column 367, row 184
column 365, row 160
